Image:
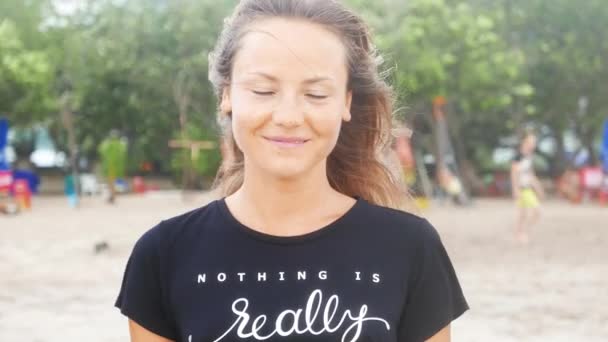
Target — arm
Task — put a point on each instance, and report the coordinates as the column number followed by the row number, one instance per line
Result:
column 441, row 336
column 141, row 334
column 141, row 298
column 434, row 298
column 515, row 179
column 538, row 187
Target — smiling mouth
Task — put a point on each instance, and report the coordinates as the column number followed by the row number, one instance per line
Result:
column 287, row 141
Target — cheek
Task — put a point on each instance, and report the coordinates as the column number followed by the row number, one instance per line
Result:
column 327, row 122
column 243, row 128
column 331, row 127
column 247, row 117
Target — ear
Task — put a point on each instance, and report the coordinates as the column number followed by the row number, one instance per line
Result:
column 226, row 103
column 346, row 116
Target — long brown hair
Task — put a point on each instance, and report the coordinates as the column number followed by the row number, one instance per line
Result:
column 356, row 167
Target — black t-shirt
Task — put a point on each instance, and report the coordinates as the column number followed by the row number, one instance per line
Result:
column 374, row 274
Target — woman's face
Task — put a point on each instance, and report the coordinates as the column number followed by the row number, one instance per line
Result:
column 288, row 96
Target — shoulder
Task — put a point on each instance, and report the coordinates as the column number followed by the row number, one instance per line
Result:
column 400, row 226
column 194, row 217
column 175, row 228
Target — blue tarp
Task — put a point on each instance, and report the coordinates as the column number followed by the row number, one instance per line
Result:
column 605, row 147
column 30, row 177
column 3, row 142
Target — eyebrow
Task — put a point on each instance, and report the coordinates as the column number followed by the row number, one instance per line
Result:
column 307, row 81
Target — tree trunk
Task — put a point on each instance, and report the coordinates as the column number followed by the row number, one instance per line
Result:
column 181, row 95
column 560, row 163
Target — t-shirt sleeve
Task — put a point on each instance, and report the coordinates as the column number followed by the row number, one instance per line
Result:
column 434, row 297
column 141, row 295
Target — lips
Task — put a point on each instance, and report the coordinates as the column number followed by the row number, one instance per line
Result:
column 285, row 141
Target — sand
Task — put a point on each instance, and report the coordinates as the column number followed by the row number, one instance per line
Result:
column 53, row 287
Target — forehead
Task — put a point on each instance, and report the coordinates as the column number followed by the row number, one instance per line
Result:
column 291, row 49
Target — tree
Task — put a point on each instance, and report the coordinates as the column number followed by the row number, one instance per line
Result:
column 140, row 67
column 25, row 78
column 568, row 64
column 453, row 50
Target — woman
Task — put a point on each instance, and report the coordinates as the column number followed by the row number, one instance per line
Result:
column 303, row 245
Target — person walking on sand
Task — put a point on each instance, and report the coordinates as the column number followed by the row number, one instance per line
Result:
column 526, row 188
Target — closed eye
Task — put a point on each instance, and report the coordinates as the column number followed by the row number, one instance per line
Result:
column 263, row 93
column 316, row 97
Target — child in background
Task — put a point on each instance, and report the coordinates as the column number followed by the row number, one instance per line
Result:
column 526, row 188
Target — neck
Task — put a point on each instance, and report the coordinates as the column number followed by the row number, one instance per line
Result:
column 281, row 206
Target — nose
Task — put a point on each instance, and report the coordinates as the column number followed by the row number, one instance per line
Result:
column 288, row 112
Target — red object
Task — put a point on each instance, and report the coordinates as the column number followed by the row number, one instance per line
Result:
column 603, row 197
column 590, row 183
column 6, row 180
column 591, row 178
column 146, row 166
column 23, row 194
column 139, row 186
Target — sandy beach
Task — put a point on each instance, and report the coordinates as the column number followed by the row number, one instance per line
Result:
column 55, row 288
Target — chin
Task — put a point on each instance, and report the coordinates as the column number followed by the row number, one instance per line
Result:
column 287, row 171
column 287, row 174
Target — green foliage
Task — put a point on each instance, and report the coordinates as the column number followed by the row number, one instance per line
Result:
column 25, row 78
column 131, row 64
column 568, row 53
column 140, row 66
column 438, row 48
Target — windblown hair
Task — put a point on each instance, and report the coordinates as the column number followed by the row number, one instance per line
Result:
column 358, row 164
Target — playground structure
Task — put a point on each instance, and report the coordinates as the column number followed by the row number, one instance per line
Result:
column 7, row 205
column 17, row 186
